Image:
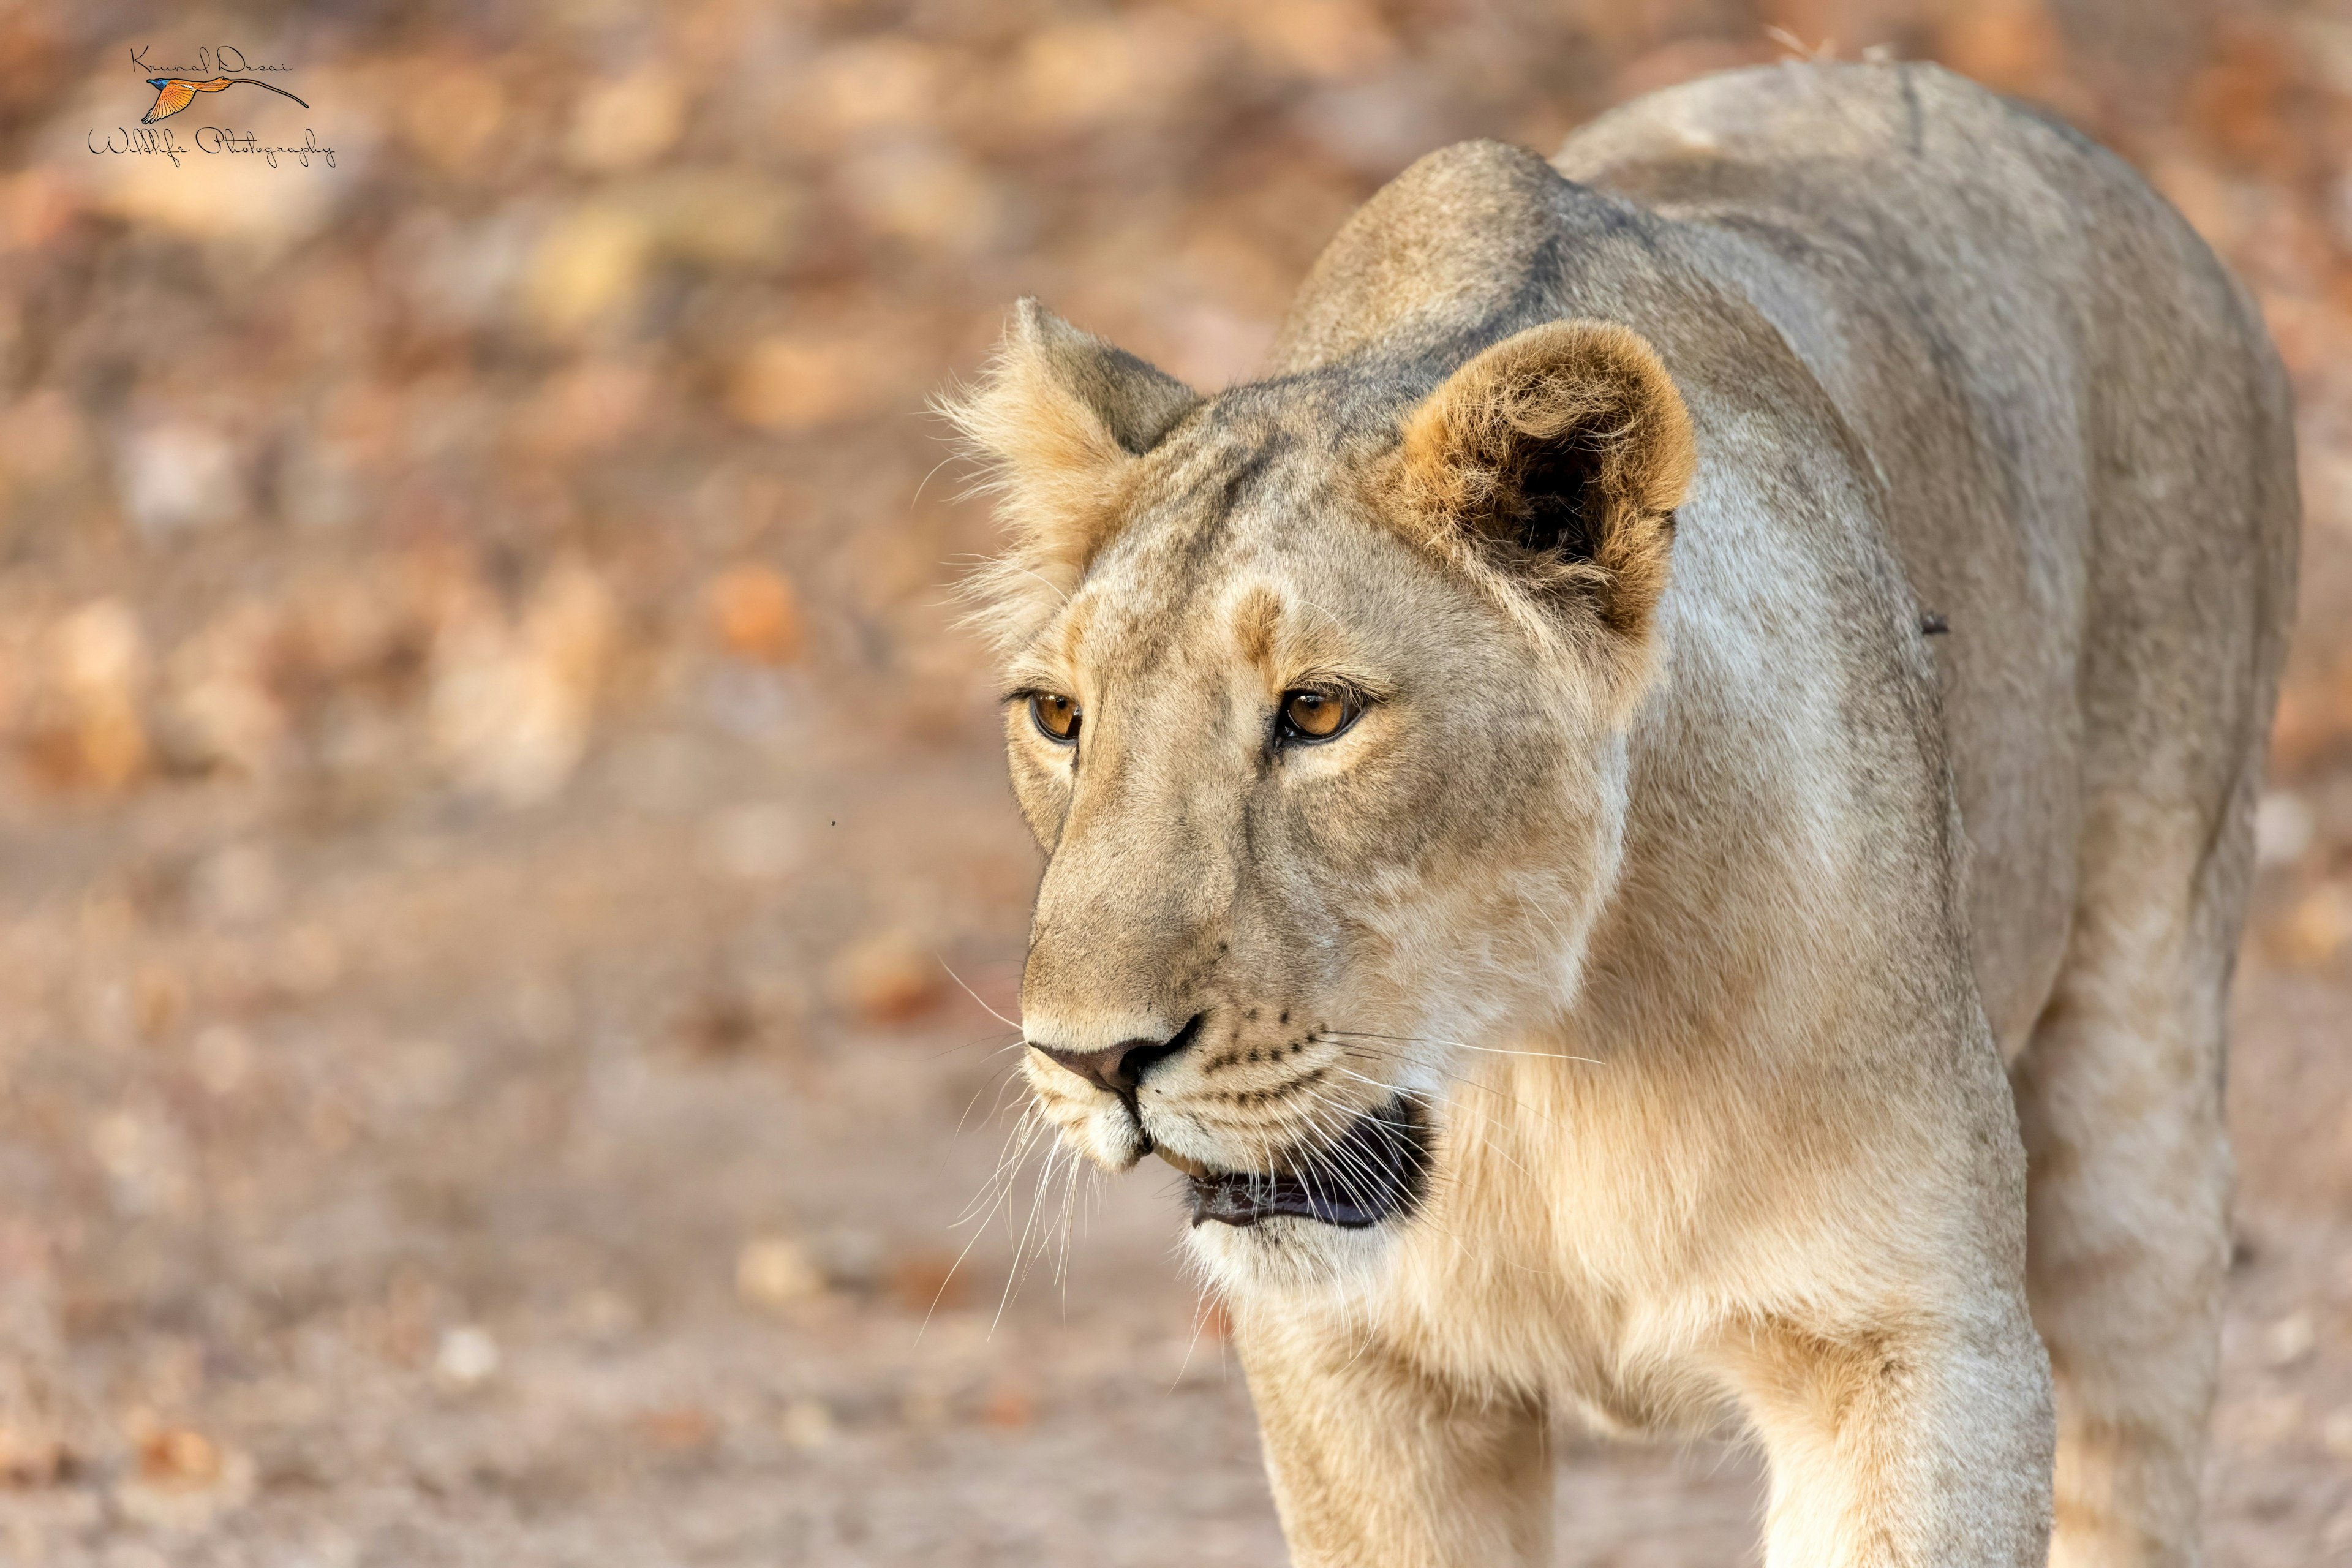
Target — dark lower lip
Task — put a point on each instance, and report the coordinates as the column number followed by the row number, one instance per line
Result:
column 1375, row 1172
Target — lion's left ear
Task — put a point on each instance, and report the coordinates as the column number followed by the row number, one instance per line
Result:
column 1060, row 419
column 1559, row 455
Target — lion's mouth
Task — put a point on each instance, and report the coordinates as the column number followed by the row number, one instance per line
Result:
column 1375, row 1172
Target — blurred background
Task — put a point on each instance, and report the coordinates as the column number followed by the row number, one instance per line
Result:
column 504, row 863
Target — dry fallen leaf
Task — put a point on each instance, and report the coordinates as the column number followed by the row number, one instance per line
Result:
column 94, row 733
column 773, row 1271
column 1008, row 1407
column 512, row 701
column 681, row 1428
column 2318, row 926
column 467, row 1357
column 887, row 978
column 807, row 1424
column 923, row 1279
column 29, row 1459
column 627, row 123
column 183, row 1480
column 2011, row 45
column 179, row 1458
column 756, row 614
column 804, row 381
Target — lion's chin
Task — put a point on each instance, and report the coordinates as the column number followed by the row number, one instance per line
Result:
column 1109, row 1136
column 1287, row 1256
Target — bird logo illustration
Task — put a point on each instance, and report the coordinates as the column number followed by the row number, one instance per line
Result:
column 174, row 93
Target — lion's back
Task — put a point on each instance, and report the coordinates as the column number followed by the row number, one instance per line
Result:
column 2082, row 430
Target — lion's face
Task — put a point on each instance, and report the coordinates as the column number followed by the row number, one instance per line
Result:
column 1329, row 788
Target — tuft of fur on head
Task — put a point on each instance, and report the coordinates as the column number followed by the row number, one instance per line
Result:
column 1557, row 456
column 1058, row 424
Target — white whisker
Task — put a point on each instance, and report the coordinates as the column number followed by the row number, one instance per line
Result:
column 1008, row 1023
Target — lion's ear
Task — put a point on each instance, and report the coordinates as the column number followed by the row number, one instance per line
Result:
column 1059, row 420
column 1560, row 454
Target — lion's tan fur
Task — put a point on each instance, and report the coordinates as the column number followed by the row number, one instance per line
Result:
column 1816, row 1020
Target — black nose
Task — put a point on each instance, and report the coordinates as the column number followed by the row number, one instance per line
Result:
column 1120, row 1069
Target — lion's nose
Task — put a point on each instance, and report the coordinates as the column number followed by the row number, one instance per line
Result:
column 1120, row 1069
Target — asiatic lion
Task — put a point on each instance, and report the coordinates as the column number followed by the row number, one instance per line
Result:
column 1516, row 840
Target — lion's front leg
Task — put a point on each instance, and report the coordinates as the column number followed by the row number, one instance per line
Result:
column 1375, row 1464
column 1919, row 1444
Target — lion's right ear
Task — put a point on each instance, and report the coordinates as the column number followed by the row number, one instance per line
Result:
column 1058, row 421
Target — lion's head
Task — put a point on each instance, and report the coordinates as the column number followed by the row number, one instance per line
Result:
column 1315, row 693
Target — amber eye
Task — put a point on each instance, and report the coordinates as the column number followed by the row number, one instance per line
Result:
column 1057, row 718
column 1311, row 716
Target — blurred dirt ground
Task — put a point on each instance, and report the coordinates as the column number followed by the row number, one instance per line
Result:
column 491, row 797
